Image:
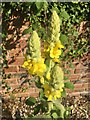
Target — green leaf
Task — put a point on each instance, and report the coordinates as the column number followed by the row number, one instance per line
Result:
column 30, row 101
column 71, row 65
column 50, row 106
column 39, row 5
column 41, row 95
column 64, row 39
column 55, row 8
column 27, row 31
column 34, row 26
column 69, row 85
column 54, row 115
column 37, row 109
column 66, row 77
column 3, row 35
column 75, row 33
column 60, row 107
column 64, row 14
column 63, row 93
column 45, row 4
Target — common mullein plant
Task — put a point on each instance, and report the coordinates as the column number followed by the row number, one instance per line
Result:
column 45, row 65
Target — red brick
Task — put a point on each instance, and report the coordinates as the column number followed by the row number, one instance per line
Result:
column 11, row 69
column 86, row 85
column 32, row 90
column 74, row 77
column 11, row 81
column 34, row 94
column 16, row 53
column 21, row 69
column 79, row 66
column 78, row 86
column 13, row 86
column 22, row 94
column 23, row 43
column 79, row 70
column 88, row 75
column 75, row 94
column 17, row 61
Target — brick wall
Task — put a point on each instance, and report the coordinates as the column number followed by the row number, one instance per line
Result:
column 16, row 46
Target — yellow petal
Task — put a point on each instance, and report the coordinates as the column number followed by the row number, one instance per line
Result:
column 56, row 60
column 48, row 75
column 59, row 45
column 25, row 64
column 42, row 80
column 50, row 98
column 46, row 86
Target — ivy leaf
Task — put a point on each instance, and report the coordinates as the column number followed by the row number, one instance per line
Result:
column 64, row 14
column 30, row 101
column 69, row 85
column 64, row 39
column 27, row 31
column 39, row 5
column 45, row 4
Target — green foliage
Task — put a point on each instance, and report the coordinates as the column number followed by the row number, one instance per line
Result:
column 27, row 31
column 30, row 101
column 64, row 39
column 69, row 85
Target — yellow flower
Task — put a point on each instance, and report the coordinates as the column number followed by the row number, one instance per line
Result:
column 56, row 60
column 48, row 75
column 46, row 86
column 46, row 47
column 25, row 64
column 33, row 68
column 59, row 45
column 48, row 92
column 41, row 68
column 37, row 67
column 55, row 53
column 57, row 94
column 42, row 80
column 48, row 95
column 51, row 93
column 46, row 50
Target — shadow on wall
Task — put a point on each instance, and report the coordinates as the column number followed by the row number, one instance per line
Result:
column 12, row 29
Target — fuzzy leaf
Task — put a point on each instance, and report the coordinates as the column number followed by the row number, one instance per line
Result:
column 54, row 115
column 60, row 106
